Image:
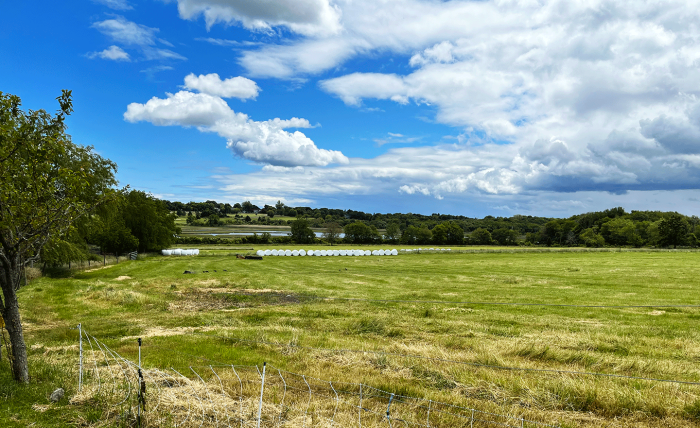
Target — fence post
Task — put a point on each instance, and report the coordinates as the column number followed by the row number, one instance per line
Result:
column 388, row 408
column 80, row 372
column 262, row 388
column 359, row 409
column 142, row 388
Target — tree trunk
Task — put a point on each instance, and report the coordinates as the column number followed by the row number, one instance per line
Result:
column 13, row 324
column 10, row 276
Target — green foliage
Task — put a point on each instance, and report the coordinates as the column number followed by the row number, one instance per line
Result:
column 673, row 230
column 360, row 233
column 301, row 232
column 480, row 237
column 505, row 236
column 149, row 220
column 332, row 232
column 393, row 232
column 448, row 233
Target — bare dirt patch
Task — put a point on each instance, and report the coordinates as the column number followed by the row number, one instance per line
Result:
column 227, row 298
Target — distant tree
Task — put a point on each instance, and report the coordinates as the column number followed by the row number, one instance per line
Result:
column 449, row 233
column 424, row 236
column 301, row 232
column 247, row 219
column 505, row 236
column 213, row 220
column 190, row 218
column 409, row 236
column 358, row 233
column 591, row 238
column 47, row 183
column 481, row 237
column 149, row 220
column 332, row 232
column 292, row 213
column 673, row 230
column 247, row 207
column 393, row 232
column 621, row 231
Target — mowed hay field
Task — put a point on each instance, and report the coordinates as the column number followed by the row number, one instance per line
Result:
column 296, row 303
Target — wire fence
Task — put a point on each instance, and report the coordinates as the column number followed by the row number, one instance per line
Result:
column 230, row 395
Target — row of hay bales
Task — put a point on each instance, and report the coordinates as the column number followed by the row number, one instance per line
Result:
column 408, row 250
column 321, row 253
column 180, row 252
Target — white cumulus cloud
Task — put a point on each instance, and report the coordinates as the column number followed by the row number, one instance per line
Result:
column 114, row 53
column 308, row 17
column 265, row 142
column 233, row 87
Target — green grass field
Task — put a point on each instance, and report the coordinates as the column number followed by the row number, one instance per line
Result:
column 298, row 301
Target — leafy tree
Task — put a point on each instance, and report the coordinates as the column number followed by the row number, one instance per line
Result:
column 213, row 220
column 301, row 232
column 190, row 218
column 448, row 233
column 358, row 233
column 591, row 238
column 621, row 231
column 673, row 230
column 332, row 232
column 481, row 237
column 292, row 213
column 149, row 220
column 248, row 219
column 47, row 183
column 505, row 236
column 424, row 235
column 410, row 235
column 393, row 232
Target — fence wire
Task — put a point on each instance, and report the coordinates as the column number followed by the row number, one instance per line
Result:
column 230, row 395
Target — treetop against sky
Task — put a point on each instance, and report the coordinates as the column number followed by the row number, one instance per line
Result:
column 494, row 107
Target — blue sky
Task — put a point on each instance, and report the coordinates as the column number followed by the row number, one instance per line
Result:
column 505, row 107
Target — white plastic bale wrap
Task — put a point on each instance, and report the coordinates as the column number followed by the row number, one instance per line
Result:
column 302, row 252
column 380, row 252
column 342, row 252
column 336, row 252
column 273, row 252
column 260, row 253
column 166, row 252
column 288, row 253
column 177, row 252
column 196, row 252
column 375, row 252
column 295, row 253
column 268, row 252
column 311, row 253
column 394, row 252
column 368, row 253
column 280, row 252
column 324, row 253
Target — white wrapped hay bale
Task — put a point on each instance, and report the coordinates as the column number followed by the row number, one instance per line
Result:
column 295, row 253
column 302, row 252
column 177, row 252
column 288, row 253
column 260, row 253
column 394, row 252
column 342, row 252
column 311, row 253
column 273, row 252
column 375, row 252
column 336, row 253
column 268, row 252
column 368, row 253
column 166, row 252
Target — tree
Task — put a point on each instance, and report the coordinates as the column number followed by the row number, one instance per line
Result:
column 673, row 230
column 301, row 232
column 393, row 232
column 481, row 237
column 505, row 236
column 213, row 220
column 358, row 233
column 448, row 233
column 424, row 235
column 149, row 220
column 332, row 232
column 47, row 183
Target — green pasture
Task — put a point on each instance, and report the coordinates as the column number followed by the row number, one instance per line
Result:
column 475, row 307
